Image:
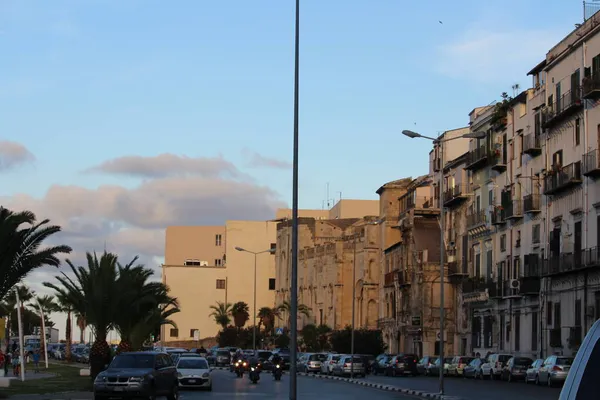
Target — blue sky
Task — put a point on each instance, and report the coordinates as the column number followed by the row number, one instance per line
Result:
column 84, row 82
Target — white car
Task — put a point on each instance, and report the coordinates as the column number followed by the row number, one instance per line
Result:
column 194, row 372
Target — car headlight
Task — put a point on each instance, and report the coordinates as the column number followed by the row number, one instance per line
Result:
column 252, row 368
column 100, row 379
column 278, row 366
column 205, row 375
column 137, row 379
column 244, row 364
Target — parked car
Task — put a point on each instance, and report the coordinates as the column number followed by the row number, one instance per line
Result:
column 147, row 374
column 473, row 370
column 554, row 370
column 312, row 362
column 434, row 369
column 457, row 364
column 223, row 357
column 494, row 365
column 532, row 371
column 516, row 368
column 402, row 364
column 424, row 363
column 381, row 363
column 347, row 364
column 330, row 361
column 194, row 372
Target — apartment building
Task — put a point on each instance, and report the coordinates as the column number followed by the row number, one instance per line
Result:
column 203, row 267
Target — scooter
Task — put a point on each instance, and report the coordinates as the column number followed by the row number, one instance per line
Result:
column 277, row 372
column 240, row 366
column 254, row 375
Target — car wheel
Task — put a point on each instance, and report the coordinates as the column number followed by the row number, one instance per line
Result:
column 174, row 395
column 152, row 395
column 100, row 397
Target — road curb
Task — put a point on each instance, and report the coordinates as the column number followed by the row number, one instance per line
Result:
column 381, row 386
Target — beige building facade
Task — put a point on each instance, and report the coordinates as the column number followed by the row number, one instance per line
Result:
column 202, row 267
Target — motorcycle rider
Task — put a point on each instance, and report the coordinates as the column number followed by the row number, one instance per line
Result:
column 275, row 361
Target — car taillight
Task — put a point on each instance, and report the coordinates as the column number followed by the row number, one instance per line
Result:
column 346, row 365
column 557, row 368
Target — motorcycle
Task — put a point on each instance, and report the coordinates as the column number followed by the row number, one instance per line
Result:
column 277, row 372
column 239, row 368
column 254, row 375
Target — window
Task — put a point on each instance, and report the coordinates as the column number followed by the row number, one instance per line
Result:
column 273, row 246
column 557, row 159
column 596, row 64
column 217, row 240
column 191, row 262
column 549, row 313
column 194, row 332
column 535, row 234
column 517, row 330
column 271, row 283
column 220, row 283
column 217, row 262
column 503, row 242
column 520, row 150
column 534, row 330
column 577, row 132
column 174, row 332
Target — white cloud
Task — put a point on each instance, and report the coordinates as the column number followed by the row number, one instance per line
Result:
column 256, row 160
column 486, row 55
column 13, row 154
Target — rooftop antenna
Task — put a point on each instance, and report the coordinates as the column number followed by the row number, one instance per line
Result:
column 515, row 89
column 340, row 193
column 328, row 198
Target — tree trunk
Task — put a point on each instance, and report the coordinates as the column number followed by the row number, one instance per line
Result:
column 99, row 355
column 42, row 340
column 81, row 335
column 68, row 338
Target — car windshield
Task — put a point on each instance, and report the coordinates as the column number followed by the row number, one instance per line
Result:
column 522, row 361
column 192, row 363
column 564, row 361
column 318, row 357
column 143, row 361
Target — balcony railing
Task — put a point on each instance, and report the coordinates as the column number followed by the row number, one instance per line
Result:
column 455, row 195
column 418, row 202
column 563, row 178
column 532, row 203
column 390, row 277
column 476, row 218
column 532, row 144
column 591, row 164
column 477, row 158
column 514, row 209
column 571, row 262
column 562, row 107
column 498, row 162
column 591, row 86
column 498, row 216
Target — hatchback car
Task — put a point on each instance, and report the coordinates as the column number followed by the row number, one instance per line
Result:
column 138, row 374
column 194, row 372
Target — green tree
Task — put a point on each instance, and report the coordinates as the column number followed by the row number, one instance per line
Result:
column 220, row 313
column 228, row 336
column 266, row 317
column 65, row 306
column 282, row 341
column 94, row 292
column 365, row 341
column 21, row 240
column 81, row 324
column 286, row 306
column 240, row 313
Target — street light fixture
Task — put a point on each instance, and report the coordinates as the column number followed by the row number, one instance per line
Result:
column 440, row 142
column 256, row 253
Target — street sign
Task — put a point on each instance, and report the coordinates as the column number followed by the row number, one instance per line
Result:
column 279, row 331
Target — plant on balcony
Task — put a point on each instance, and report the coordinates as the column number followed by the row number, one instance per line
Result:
column 499, row 116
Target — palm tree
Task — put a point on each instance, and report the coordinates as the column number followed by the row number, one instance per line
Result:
column 21, row 238
column 153, row 321
column 286, row 306
column 221, row 314
column 240, row 313
column 266, row 316
column 94, row 292
column 46, row 305
column 65, row 306
column 81, row 324
column 139, row 300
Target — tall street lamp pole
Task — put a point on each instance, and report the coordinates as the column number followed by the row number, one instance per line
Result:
column 255, row 253
column 440, row 142
column 294, row 282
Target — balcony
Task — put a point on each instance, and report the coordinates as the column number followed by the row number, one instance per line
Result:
column 498, row 162
column 386, row 323
column 591, row 86
column 477, row 158
column 566, row 105
column 560, row 179
column 591, row 164
column 390, row 278
column 532, row 203
column 532, row 145
column 456, row 268
column 419, row 204
column 529, row 286
column 476, row 219
column 478, row 289
column 498, row 216
column 514, row 209
column 455, row 195
column 555, row 337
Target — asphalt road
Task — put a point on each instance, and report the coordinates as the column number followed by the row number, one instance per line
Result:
column 470, row 389
column 227, row 385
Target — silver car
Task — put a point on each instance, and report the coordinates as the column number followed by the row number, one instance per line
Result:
column 347, row 364
column 554, row 370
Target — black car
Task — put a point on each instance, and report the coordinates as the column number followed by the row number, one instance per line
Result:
column 402, row 364
column 138, row 374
